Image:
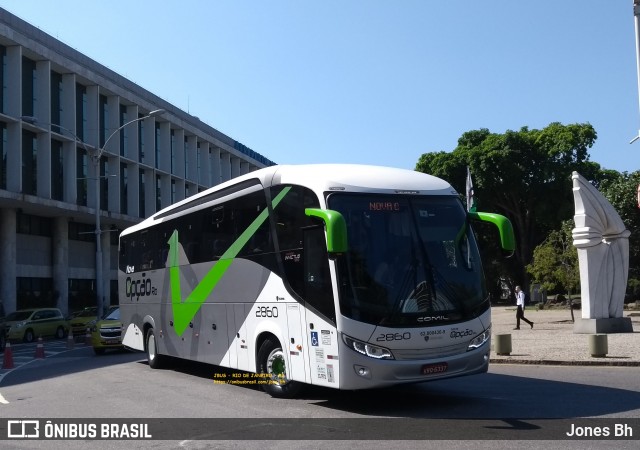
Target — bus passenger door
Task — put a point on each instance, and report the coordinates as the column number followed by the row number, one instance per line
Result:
column 298, row 350
column 320, row 316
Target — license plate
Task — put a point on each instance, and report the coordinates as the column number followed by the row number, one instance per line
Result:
column 112, row 341
column 430, row 369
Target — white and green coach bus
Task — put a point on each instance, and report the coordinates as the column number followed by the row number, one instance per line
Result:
column 344, row 276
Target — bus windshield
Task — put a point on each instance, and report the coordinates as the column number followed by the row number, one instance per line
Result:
column 412, row 260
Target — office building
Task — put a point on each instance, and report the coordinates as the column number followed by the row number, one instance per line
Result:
column 59, row 110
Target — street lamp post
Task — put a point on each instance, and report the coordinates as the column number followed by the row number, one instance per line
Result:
column 96, row 156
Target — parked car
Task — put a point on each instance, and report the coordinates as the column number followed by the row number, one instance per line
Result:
column 81, row 320
column 29, row 324
column 107, row 333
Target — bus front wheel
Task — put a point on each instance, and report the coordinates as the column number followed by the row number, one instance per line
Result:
column 154, row 358
column 272, row 361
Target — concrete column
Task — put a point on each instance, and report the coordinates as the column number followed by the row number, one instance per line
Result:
column 216, row 166
column 61, row 263
column 68, row 103
column 42, row 92
column 164, row 147
column 43, row 171
column 70, row 183
column 235, row 167
column 204, row 174
column 133, row 137
column 179, row 153
column 225, row 166
column 14, row 157
column 244, row 167
column 191, row 155
column 133, row 187
column 14, row 79
column 8, row 286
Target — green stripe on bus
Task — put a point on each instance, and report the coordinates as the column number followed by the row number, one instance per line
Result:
column 184, row 311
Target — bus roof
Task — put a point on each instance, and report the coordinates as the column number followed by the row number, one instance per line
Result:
column 322, row 178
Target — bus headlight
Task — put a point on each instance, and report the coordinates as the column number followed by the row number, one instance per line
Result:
column 372, row 351
column 480, row 339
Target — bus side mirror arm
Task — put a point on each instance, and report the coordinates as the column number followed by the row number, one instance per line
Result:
column 336, row 228
column 507, row 237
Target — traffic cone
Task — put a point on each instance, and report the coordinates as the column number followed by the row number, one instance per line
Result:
column 7, row 362
column 70, row 341
column 87, row 337
column 39, row 349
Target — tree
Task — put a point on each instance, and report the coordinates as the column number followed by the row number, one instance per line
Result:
column 555, row 262
column 621, row 191
column 525, row 175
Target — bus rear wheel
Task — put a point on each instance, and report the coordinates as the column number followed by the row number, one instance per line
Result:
column 154, row 358
column 272, row 361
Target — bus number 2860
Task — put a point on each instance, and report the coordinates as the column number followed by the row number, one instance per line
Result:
column 267, row 311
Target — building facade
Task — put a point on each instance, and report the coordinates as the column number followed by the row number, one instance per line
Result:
column 67, row 146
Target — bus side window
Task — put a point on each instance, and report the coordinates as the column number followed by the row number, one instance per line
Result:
column 317, row 278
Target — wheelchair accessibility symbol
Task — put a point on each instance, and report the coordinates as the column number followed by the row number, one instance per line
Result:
column 314, row 338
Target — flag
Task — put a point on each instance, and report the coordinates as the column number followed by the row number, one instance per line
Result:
column 471, row 201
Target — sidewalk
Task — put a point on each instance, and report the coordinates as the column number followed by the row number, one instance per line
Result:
column 552, row 340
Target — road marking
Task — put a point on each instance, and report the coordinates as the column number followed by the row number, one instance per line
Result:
column 2, row 400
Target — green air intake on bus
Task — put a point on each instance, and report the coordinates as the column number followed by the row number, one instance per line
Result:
column 336, row 228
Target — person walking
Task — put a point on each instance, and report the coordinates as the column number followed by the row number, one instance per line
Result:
column 520, row 310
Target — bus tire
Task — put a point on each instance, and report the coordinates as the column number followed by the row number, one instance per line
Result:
column 272, row 361
column 154, row 358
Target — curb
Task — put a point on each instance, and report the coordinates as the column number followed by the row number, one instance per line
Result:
column 544, row 362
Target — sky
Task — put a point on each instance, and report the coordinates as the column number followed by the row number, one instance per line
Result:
column 369, row 81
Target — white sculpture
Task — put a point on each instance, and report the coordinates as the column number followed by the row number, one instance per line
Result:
column 602, row 241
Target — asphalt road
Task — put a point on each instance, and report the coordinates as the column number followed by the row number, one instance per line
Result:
column 521, row 398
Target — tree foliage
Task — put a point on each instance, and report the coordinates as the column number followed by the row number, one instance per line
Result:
column 621, row 189
column 525, row 175
column 555, row 261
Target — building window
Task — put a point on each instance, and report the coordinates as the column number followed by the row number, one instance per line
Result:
column 56, row 100
column 157, row 146
column 29, row 163
column 123, row 189
column 104, row 184
column 81, row 176
column 34, row 292
column 186, row 159
column 81, row 293
column 82, row 232
column 141, row 193
column 3, row 152
column 173, row 152
column 124, row 133
column 28, row 87
column 57, row 171
column 104, row 118
column 158, row 193
column 141, row 139
column 33, row 225
column 81, row 110
column 173, row 191
column 198, row 163
column 3, row 79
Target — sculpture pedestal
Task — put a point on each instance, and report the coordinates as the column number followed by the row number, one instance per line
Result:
column 611, row 325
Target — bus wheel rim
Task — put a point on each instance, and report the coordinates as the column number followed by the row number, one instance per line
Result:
column 276, row 366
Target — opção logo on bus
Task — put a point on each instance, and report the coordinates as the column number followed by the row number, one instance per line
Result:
column 136, row 288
